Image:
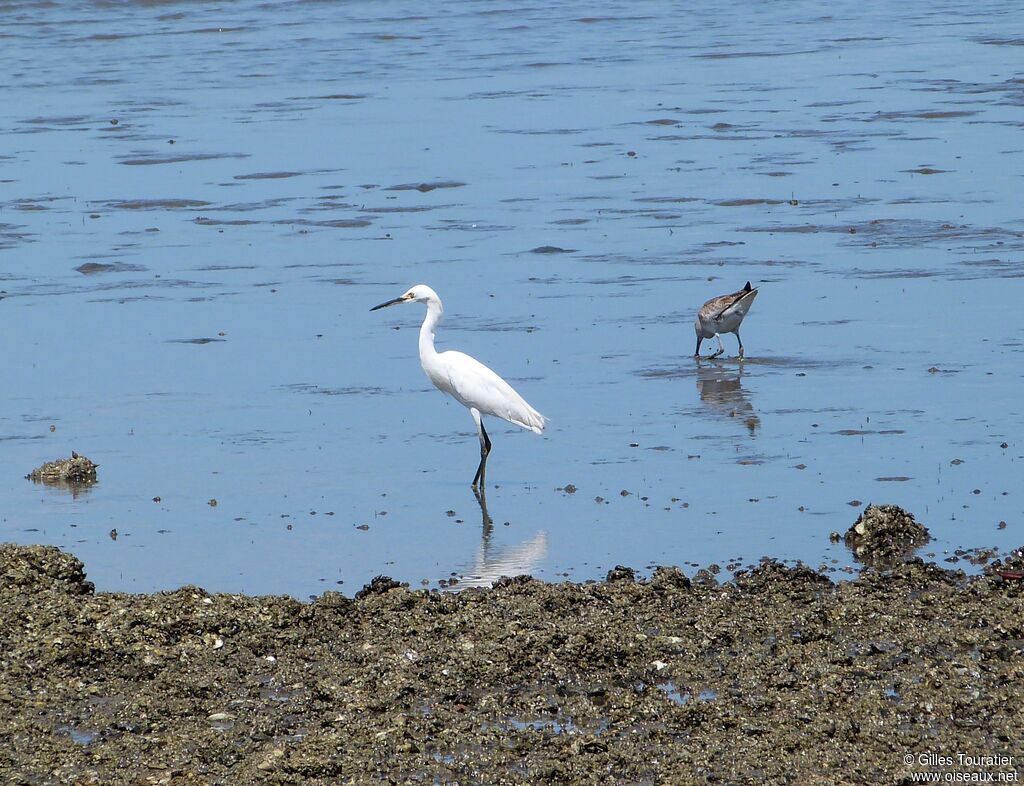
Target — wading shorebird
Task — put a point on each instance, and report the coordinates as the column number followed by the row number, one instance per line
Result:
column 467, row 380
column 723, row 314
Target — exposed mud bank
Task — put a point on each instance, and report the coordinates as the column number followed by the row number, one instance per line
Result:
column 780, row 676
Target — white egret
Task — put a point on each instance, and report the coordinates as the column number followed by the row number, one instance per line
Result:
column 467, row 380
column 723, row 314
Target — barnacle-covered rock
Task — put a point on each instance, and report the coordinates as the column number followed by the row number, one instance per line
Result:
column 884, row 535
column 77, row 469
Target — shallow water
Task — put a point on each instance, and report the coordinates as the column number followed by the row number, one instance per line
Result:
column 185, row 291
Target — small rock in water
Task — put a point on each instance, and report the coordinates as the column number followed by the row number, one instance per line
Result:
column 621, row 573
column 379, row 586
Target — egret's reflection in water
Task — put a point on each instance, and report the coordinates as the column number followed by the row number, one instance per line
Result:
column 721, row 388
column 493, row 562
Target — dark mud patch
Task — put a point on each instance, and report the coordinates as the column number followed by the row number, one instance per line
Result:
column 906, row 233
column 747, row 202
column 225, row 222
column 199, row 341
column 247, row 207
column 353, row 390
column 667, row 200
column 336, row 97
column 216, row 268
column 923, row 115
column 425, row 188
column 60, row 120
column 403, row 209
column 335, row 223
column 268, row 175
column 754, row 53
column 157, row 159
column 551, row 250
column 776, row 677
column 155, row 204
column 95, row 268
column 861, row 432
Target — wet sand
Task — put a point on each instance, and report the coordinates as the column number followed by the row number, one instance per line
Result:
column 781, row 676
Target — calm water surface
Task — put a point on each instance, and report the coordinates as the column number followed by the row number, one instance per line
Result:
column 200, row 202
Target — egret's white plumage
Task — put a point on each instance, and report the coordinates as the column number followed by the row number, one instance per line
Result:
column 466, row 379
column 723, row 314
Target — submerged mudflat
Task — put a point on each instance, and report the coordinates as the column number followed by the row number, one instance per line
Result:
column 778, row 676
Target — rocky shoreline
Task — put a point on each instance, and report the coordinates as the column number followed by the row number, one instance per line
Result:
column 779, row 676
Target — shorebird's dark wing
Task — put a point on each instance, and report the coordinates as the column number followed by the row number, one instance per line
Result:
column 725, row 302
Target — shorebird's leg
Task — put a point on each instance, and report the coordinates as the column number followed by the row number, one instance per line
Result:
column 696, row 352
column 485, row 448
column 721, row 346
column 741, row 342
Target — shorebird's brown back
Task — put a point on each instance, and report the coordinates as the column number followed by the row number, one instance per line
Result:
column 717, row 306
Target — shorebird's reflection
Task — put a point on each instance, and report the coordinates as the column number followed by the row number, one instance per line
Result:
column 493, row 562
column 721, row 388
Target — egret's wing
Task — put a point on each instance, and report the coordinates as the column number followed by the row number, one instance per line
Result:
column 475, row 385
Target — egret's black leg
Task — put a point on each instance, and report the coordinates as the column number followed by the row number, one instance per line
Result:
column 485, row 449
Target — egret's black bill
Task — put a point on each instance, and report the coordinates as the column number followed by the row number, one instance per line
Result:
column 389, row 303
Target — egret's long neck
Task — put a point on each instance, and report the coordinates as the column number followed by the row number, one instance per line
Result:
column 434, row 312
